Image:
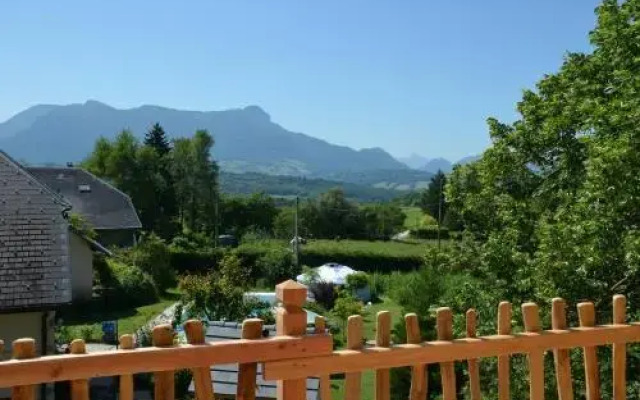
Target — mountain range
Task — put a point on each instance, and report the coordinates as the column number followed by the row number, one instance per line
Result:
column 433, row 165
column 247, row 140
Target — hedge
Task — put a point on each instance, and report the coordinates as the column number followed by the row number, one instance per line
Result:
column 362, row 261
column 186, row 261
column 258, row 258
column 430, row 232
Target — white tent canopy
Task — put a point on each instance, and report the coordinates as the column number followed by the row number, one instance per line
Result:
column 331, row 273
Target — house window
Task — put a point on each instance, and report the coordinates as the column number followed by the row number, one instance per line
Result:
column 84, row 188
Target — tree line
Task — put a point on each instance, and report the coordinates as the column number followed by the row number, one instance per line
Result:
column 174, row 186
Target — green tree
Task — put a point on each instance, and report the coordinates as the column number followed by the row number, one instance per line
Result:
column 432, row 199
column 156, row 138
column 381, row 221
column 196, row 181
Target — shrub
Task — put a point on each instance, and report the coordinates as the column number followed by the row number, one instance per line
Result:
column 103, row 274
column 357, row 281
column 132, row 286
column 276, row 265
column 195, row 291
column 345, row 307
column 153, row 257
column 324, row 293
column 193, row 242
column 86, row 333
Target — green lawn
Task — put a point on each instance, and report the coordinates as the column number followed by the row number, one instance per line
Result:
column 85, row 322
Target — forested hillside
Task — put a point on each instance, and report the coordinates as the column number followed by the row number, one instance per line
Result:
column 291, row 186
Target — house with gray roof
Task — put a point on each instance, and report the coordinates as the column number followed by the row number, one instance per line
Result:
column 108, row 210
column 44, row 263
column 224, row 377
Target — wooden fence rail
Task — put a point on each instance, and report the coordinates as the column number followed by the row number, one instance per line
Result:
column 293, row 355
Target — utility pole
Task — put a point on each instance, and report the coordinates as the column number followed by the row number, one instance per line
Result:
column 296, row 239
column 216, row 226
column 440, row 210
column 382, row 212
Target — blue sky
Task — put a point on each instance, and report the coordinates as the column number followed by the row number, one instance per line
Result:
column 408, row 76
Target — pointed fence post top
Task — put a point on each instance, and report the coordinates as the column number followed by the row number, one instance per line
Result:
column 291, row 293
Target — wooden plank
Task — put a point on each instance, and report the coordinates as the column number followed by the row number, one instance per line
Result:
column 444, row 326
column 79, row 387
column 418, row 389
column 126, row 380
column 383, row 339
column 458, row 349
column 472, row 364
column 291, row 319
column 201, row 375
column 320, row 326
column 504, row 361
column 587, row 316
column 531, row 317
column 163, row 381
column 619, row 350
column 24, row 349
column 561, row 357
column 353, row 380
column 247, row 373
column 152, row 359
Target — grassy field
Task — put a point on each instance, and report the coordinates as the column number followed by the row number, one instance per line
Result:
column 414, row 216
column 366, row 247
column 85, row 323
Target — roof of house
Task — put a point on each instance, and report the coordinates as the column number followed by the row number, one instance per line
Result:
column 34, row 260
column 225, row 376
column 100, row 203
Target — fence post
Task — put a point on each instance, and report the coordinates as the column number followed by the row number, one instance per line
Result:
column 353, row 380
column 201, row 375
column 126, row 380
column 561, row 357
column 23, row 349
column 474, row 370
column 325, row 380
column 418, row 390
column 79, row 387
column 531, row 317
column 164, row 381
column 619, row 350
column 504, row 362
column 383, row 339
column 247, row 373
column 444, row 327
column 291, row 320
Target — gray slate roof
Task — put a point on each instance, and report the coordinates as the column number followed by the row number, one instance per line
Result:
column 103, row 206
column 34, row 260
column 225, row 376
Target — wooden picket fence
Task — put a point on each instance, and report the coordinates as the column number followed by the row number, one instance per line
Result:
column 292, row 355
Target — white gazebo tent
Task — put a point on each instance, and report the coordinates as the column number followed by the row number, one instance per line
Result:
column 330, row 273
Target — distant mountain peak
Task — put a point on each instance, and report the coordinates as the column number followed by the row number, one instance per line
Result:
column 96, row 104
column 257, row 112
